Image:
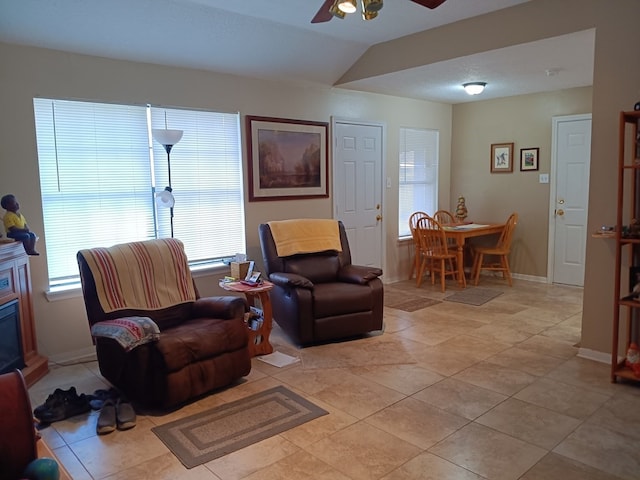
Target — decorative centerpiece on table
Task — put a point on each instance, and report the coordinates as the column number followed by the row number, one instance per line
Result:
column 461, row 209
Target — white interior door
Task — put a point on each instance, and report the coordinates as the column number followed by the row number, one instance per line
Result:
column 357, row 187
column 569, row 200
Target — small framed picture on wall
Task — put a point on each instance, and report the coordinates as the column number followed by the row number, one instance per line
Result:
column 529, row 159
column 501, row 157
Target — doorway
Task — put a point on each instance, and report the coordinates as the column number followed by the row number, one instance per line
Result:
column 569, row 199
column 357, row 188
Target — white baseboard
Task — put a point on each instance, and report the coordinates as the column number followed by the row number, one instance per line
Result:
column 84, row 355
column 529, row 278
column 596, row 356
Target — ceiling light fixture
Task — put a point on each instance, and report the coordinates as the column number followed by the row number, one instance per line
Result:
column 474, row 88
column 335, row 11
column 370, row 8
column 347, row 6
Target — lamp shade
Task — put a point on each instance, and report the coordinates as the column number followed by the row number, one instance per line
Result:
column 167, row 136
column 474, row 88
column 165, row 198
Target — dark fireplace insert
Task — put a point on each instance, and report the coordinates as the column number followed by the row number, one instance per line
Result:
column 10, row 338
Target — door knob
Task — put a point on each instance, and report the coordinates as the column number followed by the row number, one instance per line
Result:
column 560, row 212
column 378, row 218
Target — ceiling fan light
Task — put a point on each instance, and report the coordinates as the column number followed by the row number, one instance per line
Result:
column 335, row 11
column 474, row 88
column 369, row 15
column 347, row 6
column 371, row 6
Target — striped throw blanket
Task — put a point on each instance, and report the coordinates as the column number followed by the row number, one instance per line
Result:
column 305, row 235
column 148, row 275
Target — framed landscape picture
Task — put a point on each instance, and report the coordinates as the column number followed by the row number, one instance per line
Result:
column 287, row 159
column 501, row 157
column 529, row 159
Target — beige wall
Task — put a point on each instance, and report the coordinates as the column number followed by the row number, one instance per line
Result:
column 29, row 72
column 616, row 87
column 493, row 196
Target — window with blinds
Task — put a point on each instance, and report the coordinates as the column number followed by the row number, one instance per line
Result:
column 100, row 169
column 418, row 185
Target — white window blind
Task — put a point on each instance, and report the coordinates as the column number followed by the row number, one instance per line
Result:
column 418, row 185
column 98, row 164
column 206, row 178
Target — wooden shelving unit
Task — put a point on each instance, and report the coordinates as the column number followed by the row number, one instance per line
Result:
column 626, row 312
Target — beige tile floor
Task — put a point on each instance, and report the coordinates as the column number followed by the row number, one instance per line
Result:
column 449, row 392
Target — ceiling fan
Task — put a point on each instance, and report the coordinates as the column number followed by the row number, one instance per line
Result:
column 370, row 8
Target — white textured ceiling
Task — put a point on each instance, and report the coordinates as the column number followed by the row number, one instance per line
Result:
column 274, row 39
column 546, row 65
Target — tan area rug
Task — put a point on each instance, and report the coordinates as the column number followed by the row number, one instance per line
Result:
column 202, row 437
column 402, row 300
column 474, row 296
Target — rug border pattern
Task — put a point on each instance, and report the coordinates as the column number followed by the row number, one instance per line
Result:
column 180, row 438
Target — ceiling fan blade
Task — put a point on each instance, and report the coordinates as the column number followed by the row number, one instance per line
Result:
column 323, row 15
column 429, row 3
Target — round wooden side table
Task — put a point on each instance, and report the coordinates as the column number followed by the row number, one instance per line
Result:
column 258, row 338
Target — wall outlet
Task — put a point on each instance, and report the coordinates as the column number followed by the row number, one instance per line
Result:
column 544, row 178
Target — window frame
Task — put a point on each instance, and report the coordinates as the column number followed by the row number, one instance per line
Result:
column 424, row 149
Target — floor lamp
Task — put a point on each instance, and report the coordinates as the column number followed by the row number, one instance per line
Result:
column 167, row 138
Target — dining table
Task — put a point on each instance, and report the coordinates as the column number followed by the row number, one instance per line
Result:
column 460, row 232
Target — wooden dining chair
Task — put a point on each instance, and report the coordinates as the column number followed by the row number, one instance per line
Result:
column 413, row 225
column 434, row 252
column 497, row 255
column 445, row 217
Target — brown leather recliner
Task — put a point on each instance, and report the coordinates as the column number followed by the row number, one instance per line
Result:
column 318, row 297
column 203, row 344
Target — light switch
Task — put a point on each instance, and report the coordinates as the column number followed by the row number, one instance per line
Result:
column 544, row 178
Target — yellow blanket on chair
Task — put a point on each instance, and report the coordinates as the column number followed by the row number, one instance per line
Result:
column 305, row 236
column 148, row 275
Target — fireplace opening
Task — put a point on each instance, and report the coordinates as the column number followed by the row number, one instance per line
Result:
column 10, row 338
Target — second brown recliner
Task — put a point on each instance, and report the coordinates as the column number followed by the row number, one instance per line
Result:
column 320, row 296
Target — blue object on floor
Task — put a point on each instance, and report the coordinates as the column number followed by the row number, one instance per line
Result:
column 42, row 469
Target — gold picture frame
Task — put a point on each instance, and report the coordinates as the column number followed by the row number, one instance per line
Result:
column 287, row 159
column 501, row 157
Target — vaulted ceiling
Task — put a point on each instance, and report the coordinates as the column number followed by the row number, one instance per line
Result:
column 275, row 40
